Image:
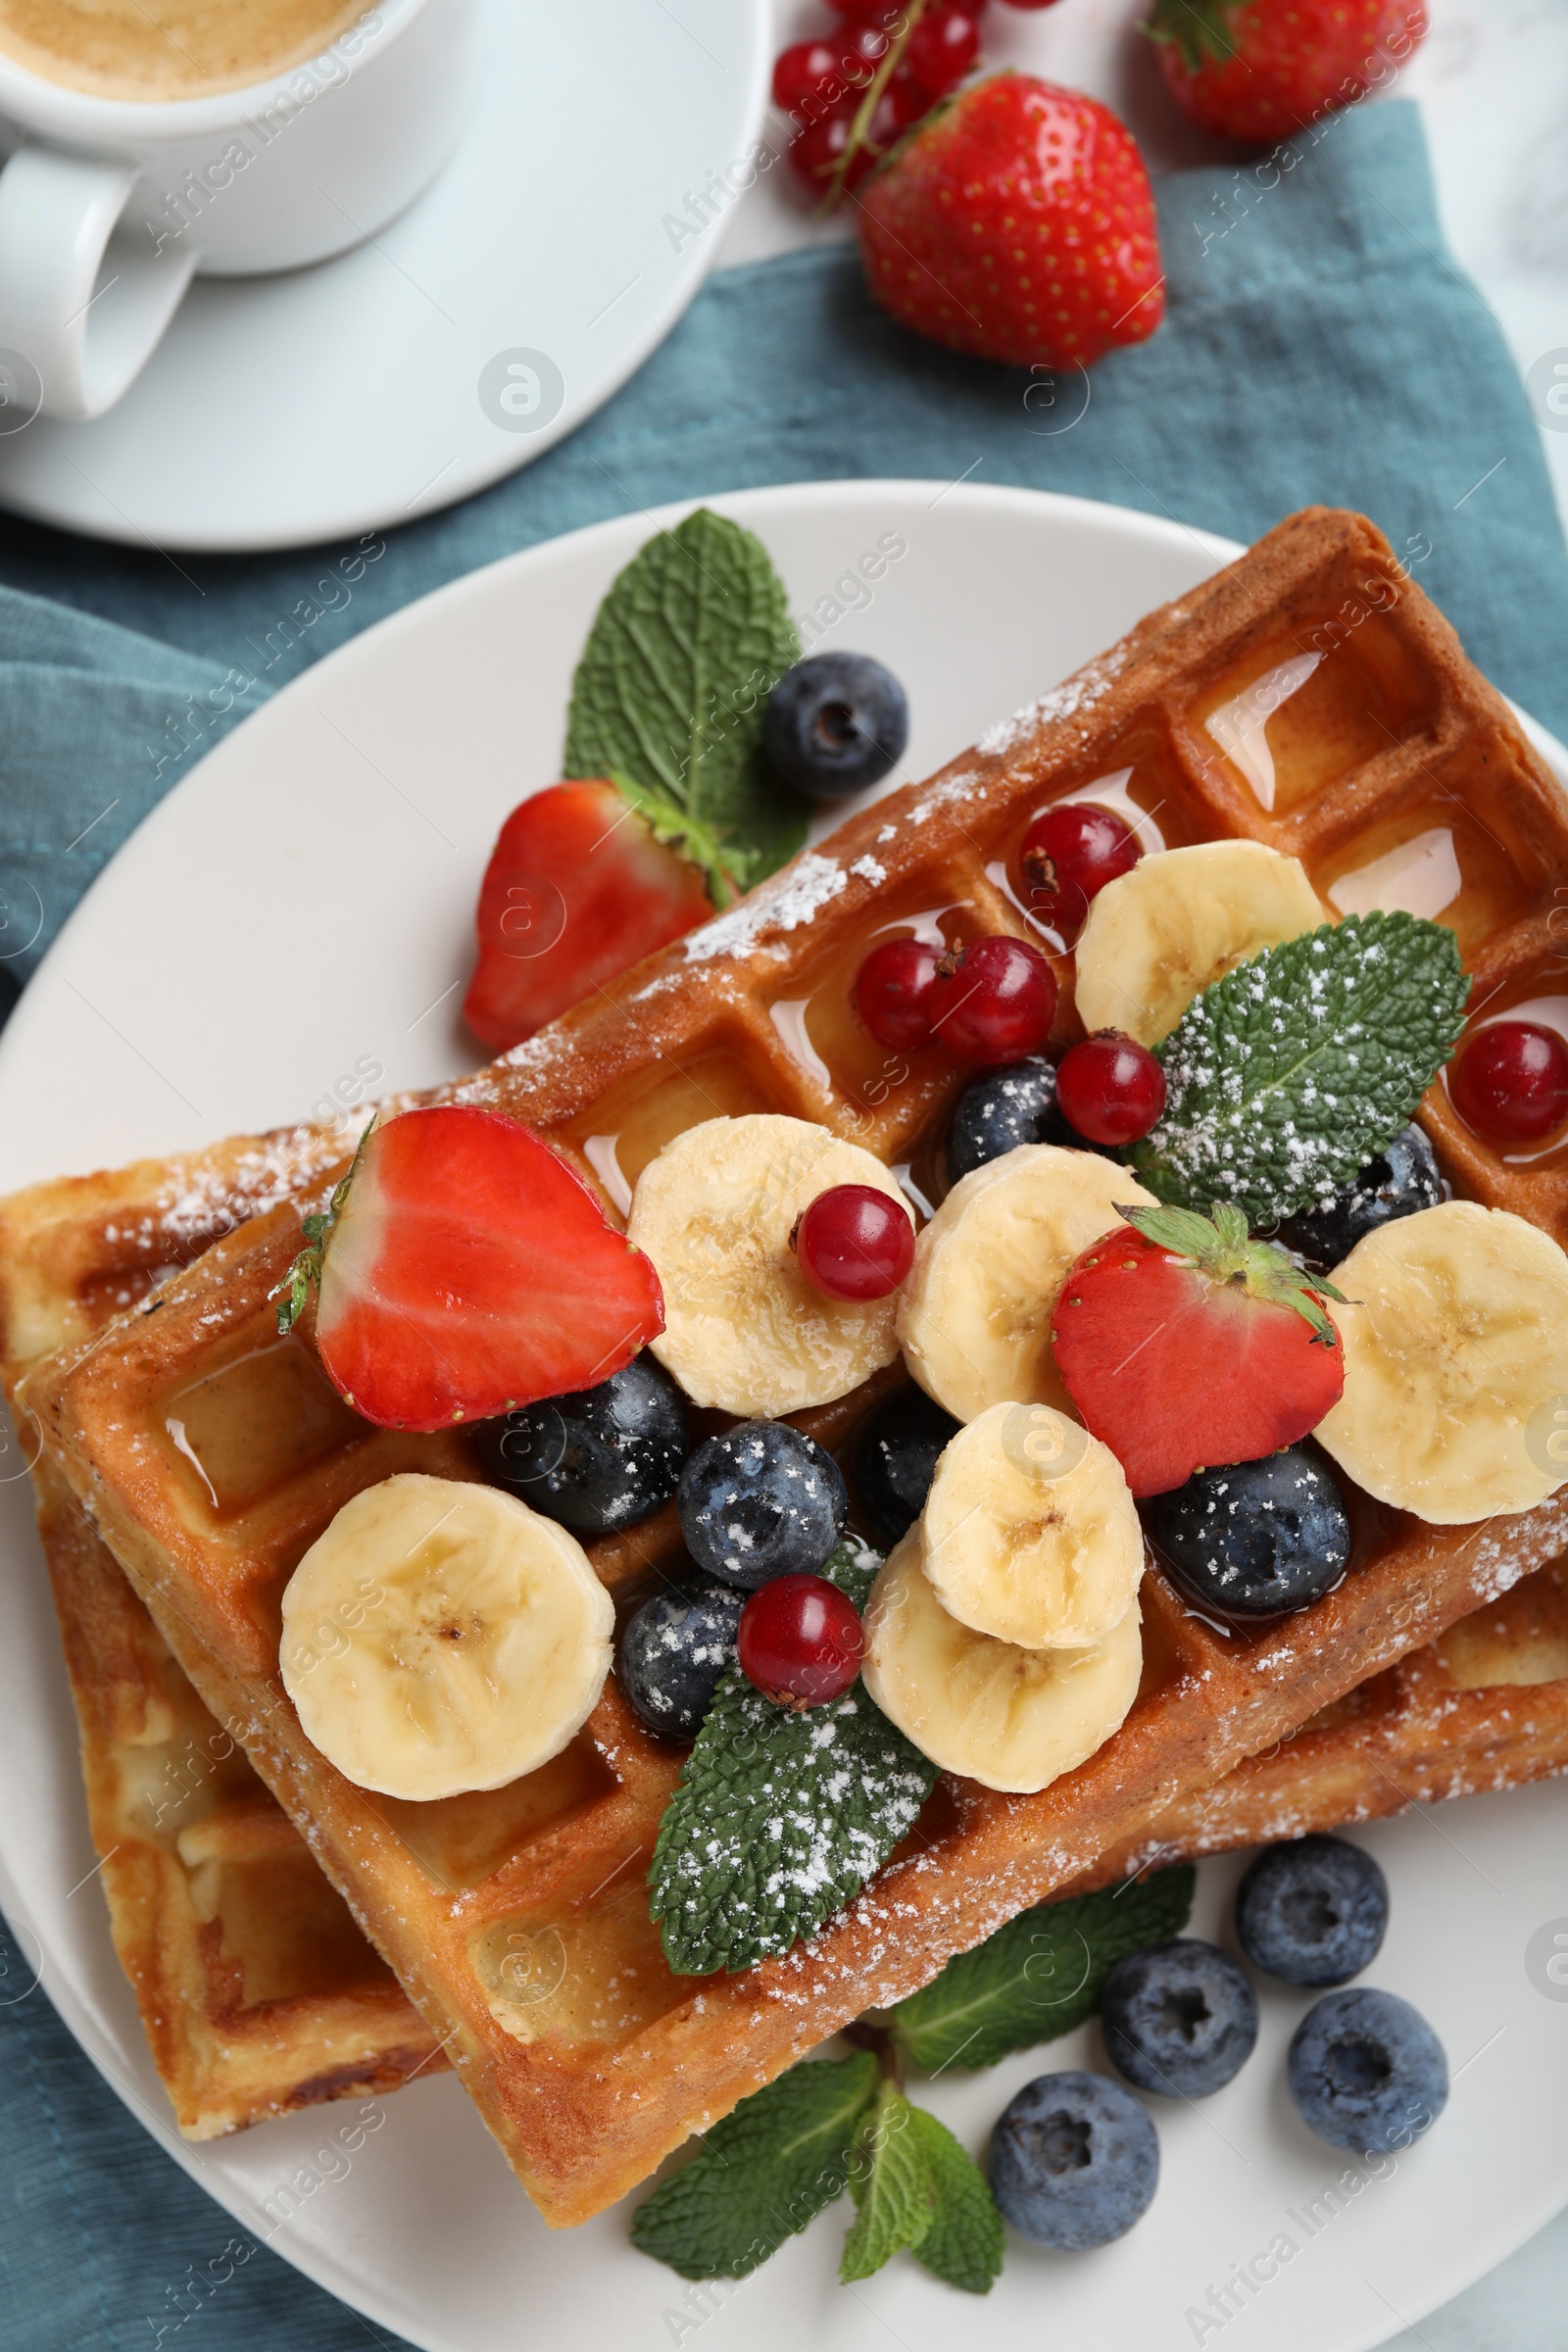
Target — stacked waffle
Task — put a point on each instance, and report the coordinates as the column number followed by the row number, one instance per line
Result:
column 210, row 1454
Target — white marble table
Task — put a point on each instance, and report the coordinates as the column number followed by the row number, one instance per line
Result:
column 1492, row 82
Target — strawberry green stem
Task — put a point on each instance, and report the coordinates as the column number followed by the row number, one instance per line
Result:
column 1220, row 1246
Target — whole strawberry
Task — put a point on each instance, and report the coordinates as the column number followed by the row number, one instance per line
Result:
column 1016, row 222
column 1258, row 69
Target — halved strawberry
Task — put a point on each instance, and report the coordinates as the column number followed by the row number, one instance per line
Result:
column 463, row 1269
column 1185, row 1346
column 578, row 889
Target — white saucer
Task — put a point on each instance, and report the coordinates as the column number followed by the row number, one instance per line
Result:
column 353, row 397
column 341, row 933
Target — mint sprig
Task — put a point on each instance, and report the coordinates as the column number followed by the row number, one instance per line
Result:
column 789, row 2151
column 891, row 2184
column 668, row 697
column 762, row 2173
column 779, row 1819
column 1286, row 1077
column 1037, row 1977
column 964, row 2242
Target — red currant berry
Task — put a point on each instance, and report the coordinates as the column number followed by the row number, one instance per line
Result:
column 1031, row 3
column 906, row 101
column 994, row 1001
column 799, row 1640
column 1510, row 1081
column 942, row 49
column 1068, row 856
column 893, row 993
column 808, row 75
column 854, row 1243
column 1110, row 1088
column 816, row 149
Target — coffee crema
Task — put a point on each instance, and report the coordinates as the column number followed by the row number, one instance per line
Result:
column 152, row 51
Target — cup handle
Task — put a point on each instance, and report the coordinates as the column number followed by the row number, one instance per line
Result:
column 84, row 301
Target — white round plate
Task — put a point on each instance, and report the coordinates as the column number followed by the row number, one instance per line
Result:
column 302, row 904
column 355, row 396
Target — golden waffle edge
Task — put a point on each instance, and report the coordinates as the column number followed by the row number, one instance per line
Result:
column 591, row 2081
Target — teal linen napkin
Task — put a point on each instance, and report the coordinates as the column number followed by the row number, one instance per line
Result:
column 1320, row 345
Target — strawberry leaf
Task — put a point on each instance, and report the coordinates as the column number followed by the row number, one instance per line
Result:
column 304, row 1274
column 1220, row 1247
column 1286, row 1077
column 1199, row 29
column 670, row 693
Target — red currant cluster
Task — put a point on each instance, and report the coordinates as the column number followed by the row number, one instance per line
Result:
column 853, row 90
column 994, row 1001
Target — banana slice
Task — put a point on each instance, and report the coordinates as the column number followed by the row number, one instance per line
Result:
column 975, row 1322
column 1456, row 1344
column 1179, row 920
column 441, row 1637
column 1010, row 1718
column 743, row 1330
column 1031, row 1534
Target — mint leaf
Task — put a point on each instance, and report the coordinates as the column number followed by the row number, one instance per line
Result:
column 668, row 696
column 761, row 2174
column 779, row 1819
column 891, row 2185
column 1039, row 1976
column 963, row 2244
column 1287, row 1076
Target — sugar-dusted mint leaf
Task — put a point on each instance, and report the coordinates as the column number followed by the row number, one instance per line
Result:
column 761, row 2173
column 1039, row 1976
column 963, row 2244
column 1286, row 1077
column 668, row 696
column 780, row 1817
column 891, row 2184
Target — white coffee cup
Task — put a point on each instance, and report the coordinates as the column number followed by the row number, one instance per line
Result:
column 109, row 208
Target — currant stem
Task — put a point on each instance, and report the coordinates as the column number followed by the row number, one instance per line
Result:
column 913, row 11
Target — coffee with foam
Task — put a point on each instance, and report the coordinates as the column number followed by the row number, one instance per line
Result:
column 170, row 49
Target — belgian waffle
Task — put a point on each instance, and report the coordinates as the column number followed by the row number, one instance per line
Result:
column 256, row 1989
column 210, row 1454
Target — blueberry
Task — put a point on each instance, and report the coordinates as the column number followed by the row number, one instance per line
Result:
column 1002, row 1108
column 1401, row 1179
column 762, row 1501
column 599, row 1459
column 834, row 724
column 1074, row 2161
column 897, row 1459
column 1312, row 1911
column 1366, row 2071
column 1178, row 2017
column 672, row 1653
column 1258, row 1536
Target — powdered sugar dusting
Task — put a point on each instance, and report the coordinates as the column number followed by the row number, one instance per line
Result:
column 1080, row 692
column 869, row 870
column 783, row 904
